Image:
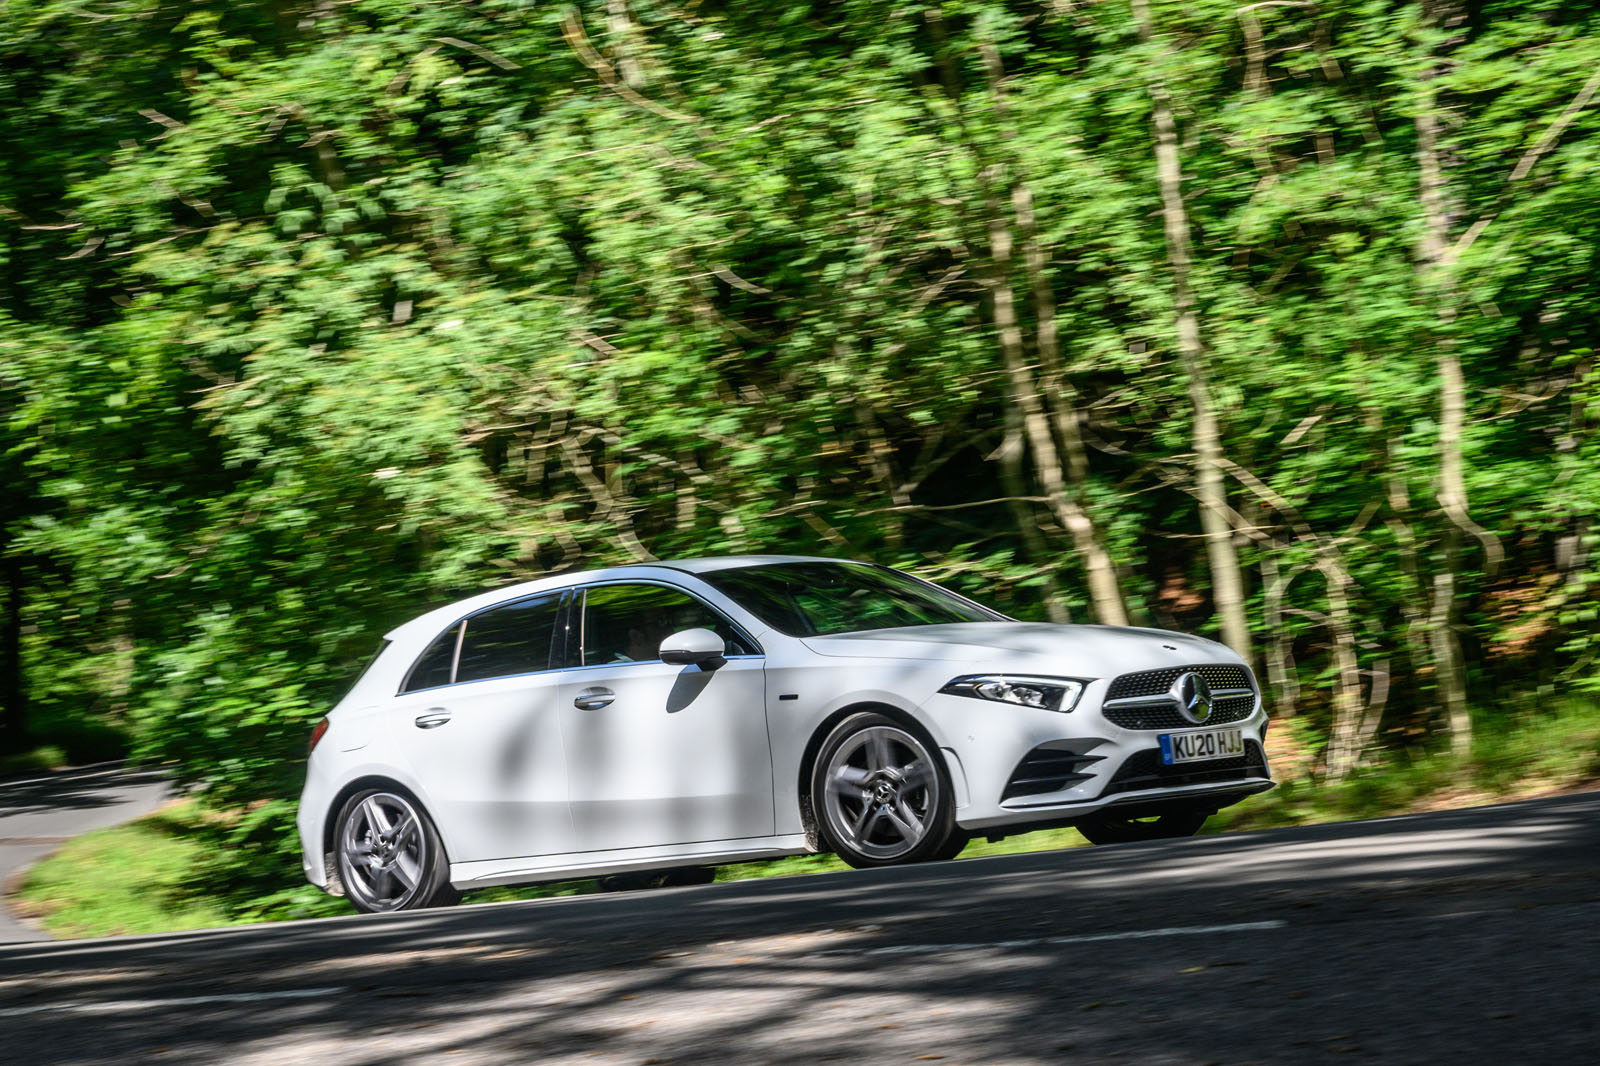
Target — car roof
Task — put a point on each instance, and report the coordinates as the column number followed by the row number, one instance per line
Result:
column 730, row 562
column 426, row 626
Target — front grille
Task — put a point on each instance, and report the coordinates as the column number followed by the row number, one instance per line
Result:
column 1144, row 769
column 1166, row 716
column 1159, row 682
column 1048, row 769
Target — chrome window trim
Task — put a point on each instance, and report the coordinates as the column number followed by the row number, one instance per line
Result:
column 557, row 670
column 483, row 680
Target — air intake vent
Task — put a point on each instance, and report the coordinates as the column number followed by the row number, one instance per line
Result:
column 1050, row 768
column 1144, row 769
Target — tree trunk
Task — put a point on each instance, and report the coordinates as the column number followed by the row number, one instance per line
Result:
column 1070, row 500
column 1451, row 491
column 1345, row 742
column 622, row 32
column 1063, row 482
column 1025, row 411
column 1279, row 651
column 1377, row 701
column 1227, row 586
column 1012, row 452
column 879, row 458
column 1013, row 477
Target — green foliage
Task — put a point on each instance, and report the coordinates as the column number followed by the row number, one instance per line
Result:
column 128, row 879
column 313, row 316
column 1533, row 752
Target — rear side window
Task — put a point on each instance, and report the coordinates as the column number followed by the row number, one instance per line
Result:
column 433, row 669
column 513, row 638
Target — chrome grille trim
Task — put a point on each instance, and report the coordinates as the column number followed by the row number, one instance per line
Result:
column 1165, row 700
column 1143, row 700
column 1157, row 682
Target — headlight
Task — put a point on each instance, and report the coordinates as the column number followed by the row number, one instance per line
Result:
column 1046, row 693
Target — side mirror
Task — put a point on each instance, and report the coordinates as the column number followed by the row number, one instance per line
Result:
column 694, row 647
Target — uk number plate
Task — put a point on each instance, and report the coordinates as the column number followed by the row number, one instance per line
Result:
column 1201, row 745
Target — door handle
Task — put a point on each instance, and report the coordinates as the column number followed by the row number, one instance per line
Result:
column 592, row 699
column 435, row 718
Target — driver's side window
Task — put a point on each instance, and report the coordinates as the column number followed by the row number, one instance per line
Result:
column 627, row 623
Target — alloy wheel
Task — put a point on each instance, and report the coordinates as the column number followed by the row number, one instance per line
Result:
column 882, row 794
column 383, row 852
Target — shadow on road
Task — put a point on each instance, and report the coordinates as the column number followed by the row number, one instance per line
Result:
column 1431, row 938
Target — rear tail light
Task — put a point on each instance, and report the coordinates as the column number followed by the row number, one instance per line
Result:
column 316, row 735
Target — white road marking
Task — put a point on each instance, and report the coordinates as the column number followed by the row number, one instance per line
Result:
column 1043, row 941
column 120, row 1006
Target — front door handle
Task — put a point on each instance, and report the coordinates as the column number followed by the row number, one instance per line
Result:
column 435, row 718
column 592, row 699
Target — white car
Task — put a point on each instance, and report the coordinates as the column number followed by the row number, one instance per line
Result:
column 681, row 714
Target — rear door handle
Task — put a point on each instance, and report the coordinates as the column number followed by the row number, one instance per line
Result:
column 592, row 699
column 435, row 718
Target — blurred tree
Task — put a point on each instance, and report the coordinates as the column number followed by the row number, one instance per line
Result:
column 1211, row 316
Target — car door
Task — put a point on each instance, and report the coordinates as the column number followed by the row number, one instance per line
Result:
column 478, row 724
column 660, row 754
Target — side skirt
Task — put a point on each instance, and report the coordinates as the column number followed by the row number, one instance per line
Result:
column 488, row 872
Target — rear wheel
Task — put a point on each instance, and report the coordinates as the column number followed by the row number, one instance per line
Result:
column 1110, row 828
column 389, row 854
column 882, row 796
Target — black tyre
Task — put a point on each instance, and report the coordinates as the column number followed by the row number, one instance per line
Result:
column 959, row 839
column 882, row 796
column 1107, row 827
column 389, row 855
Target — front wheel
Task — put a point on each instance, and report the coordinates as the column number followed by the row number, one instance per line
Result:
column 1108, row 827
column 882, row 796
column 389, row 854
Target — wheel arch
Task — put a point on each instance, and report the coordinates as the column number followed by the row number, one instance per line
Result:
column 360, row 784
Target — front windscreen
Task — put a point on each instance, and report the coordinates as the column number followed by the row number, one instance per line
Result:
column 816, row 599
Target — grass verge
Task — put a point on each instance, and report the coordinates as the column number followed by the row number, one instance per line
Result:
column 133, row 878
column 159, row 874
column 1533, row 754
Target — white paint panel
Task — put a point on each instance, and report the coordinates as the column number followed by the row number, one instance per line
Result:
column 679, row 755
column 495, row 773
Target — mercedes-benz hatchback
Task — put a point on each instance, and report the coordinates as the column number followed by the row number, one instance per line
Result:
column 684, row 714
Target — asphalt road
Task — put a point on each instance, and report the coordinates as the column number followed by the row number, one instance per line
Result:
column 40, row 813
column 1459, row 937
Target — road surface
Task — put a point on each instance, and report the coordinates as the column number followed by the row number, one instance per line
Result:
column 40, row 813
column 1458, row 937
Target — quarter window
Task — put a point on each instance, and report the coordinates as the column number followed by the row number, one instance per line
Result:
column 433, row 669
column 627, row 623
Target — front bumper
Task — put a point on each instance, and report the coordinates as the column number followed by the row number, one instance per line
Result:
column 1026, row 766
